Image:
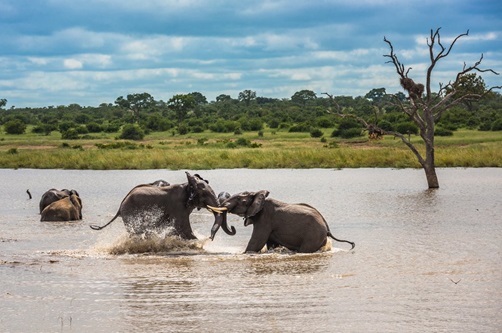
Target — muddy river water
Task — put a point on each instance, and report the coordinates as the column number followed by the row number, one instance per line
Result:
column 424, row 261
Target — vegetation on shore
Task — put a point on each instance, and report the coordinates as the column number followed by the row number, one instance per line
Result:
column 264, row 149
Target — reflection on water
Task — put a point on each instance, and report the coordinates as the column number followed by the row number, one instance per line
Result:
column 424, row 261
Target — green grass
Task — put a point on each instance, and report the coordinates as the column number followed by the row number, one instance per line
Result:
column 210, row 151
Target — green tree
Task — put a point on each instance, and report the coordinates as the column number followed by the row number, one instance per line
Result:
column 302, row 97
column 181, row 104
column 136, row 103
column 247, row 96
column 376, row 95
column 198, row 98
column 3, row 103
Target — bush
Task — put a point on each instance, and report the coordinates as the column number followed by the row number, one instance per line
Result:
column 273, row 123
column 44, row 129
column 94, row 127
column 66, row 125
column 242, row 142
column 316, row 133
column 183, row 129
column 497, row 125
column 224, row 126
column 443, row 132
column 301, row 127
column 407, row 128
column 385, row 125
column 324, row 122
column 15, row 126
column 132, row 132
column 254, row 124
column 112, row 127
column 70, row 134
column 347, row 133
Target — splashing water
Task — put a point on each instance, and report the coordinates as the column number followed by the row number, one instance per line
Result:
column 154, row 243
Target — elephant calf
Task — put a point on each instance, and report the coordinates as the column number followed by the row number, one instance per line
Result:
column 66, row 209
column 54, row 195
column 298, row 227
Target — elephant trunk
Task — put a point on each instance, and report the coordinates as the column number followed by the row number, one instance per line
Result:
column 220, row 220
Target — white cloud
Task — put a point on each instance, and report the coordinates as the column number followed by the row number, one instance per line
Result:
column 72, row 64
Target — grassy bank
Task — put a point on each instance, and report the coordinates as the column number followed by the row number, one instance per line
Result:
column 211, row 150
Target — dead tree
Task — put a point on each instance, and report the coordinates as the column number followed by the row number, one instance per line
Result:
column 424, row 107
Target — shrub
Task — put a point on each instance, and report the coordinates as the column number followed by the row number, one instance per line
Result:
column 349, row 133
column 407, row 128
column 70, row 134
column 183, row 129
column 94, row 127
column 316, row 133
column 273, row 123
column 44, row 129
column 324, row 122
column 301, row 127
column 497, row 125
column 132, row 132
column 15, row 126
column 66, row 125
column 112, row 127
column 254, row 124
column 385, row 125
column 443, row 132
column 224, row 126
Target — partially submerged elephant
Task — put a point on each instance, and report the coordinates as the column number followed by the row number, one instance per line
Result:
column 53, row 195
column 152, row 208
column 68, row 208
column 298, row 227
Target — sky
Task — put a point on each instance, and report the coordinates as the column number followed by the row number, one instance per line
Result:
column 88, row 52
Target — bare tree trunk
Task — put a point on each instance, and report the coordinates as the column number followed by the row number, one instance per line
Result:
column 429, row 165
column 432, row 178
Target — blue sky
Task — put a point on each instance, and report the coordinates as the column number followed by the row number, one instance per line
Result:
column 59, row 52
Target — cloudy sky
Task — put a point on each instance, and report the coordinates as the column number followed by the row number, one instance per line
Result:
column 59, row 52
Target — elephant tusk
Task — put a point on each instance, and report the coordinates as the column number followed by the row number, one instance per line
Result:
column 218, row 210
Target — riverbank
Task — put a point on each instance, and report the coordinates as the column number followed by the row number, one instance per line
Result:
column 250, row 150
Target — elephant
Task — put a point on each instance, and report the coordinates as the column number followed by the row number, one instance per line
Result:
column 68, row 208
column 53, row 195
column 298, row 227
column 148, row 208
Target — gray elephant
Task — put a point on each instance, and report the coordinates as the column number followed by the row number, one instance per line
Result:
column 68, row 208
column 298, row 227
column 53, row 195
column 148, row 208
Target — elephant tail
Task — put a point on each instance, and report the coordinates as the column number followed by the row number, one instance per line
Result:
column 341, row 240
column 97, row 227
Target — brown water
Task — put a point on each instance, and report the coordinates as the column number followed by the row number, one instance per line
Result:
column 424, row 261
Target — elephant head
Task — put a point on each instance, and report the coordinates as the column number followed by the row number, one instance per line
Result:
column 245, row 204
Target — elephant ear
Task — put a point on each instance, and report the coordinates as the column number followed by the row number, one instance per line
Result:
column 258, row 202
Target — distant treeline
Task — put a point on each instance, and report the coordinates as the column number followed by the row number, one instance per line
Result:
column 138, row 114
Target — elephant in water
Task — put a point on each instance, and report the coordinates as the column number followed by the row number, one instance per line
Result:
column 298, row 227
column 53, row 195
column 149, row 207
column 68, row 208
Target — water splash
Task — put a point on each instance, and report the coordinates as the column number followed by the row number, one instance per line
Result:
column 157, row 244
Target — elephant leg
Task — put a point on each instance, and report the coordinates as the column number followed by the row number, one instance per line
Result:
column 258, row 240
column 271, row 244
column 182, row 228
